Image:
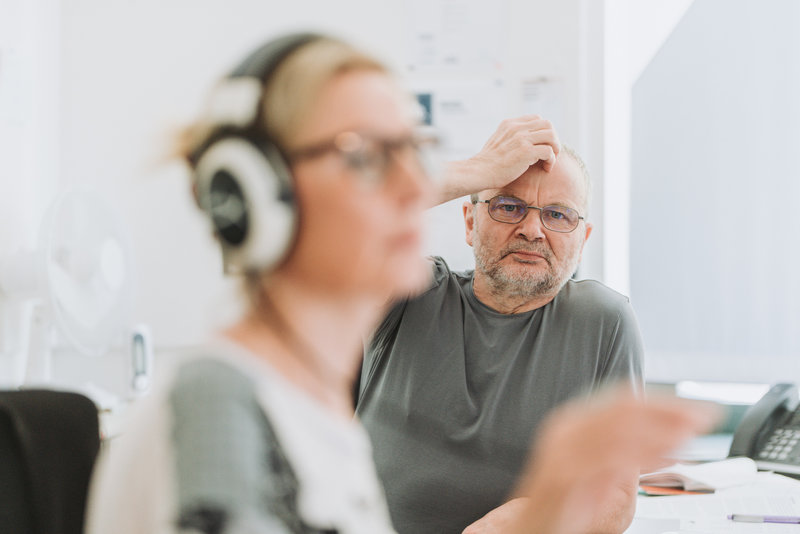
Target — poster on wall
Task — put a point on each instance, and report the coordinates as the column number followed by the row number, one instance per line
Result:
column 543, row 96
column 464, row 113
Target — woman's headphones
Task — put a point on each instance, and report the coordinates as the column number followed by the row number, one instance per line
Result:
column 242, row 179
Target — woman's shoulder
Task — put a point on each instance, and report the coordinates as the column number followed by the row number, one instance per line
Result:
column 213, row 392
column 210, row 372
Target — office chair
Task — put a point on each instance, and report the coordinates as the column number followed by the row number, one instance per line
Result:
column 48, row 444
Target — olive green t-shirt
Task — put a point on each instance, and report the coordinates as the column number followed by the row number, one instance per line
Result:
column 452, row 391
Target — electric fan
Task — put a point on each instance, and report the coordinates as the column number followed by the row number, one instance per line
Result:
column 72, row 292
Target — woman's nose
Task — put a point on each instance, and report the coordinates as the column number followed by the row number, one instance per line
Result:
column 407, row 174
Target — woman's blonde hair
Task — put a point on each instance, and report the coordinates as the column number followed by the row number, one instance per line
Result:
column 290, row 91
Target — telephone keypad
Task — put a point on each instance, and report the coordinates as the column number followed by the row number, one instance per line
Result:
column 783, row 445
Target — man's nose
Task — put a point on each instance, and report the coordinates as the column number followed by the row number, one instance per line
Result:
column 530, row 228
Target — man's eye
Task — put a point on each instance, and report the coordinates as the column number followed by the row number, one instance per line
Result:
column 555, row 214
column 509, row 208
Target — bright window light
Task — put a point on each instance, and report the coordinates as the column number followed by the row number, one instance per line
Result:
column 723, row 392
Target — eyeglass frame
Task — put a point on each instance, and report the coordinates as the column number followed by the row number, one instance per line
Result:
column 388, row 148
column 527, row 210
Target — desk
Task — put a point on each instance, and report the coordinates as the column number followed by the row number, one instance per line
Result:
column 707, row 514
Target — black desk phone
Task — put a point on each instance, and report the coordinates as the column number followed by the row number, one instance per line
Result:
column 769, row 432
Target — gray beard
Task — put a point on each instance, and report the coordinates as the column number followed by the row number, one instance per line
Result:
column 522, row 286
column 527, row 286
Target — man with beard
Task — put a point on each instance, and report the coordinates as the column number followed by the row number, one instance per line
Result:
column 456, row 380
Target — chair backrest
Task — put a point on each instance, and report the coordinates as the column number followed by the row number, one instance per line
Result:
column 48, row 444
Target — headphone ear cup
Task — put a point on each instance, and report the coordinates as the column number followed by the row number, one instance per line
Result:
column 246, row 191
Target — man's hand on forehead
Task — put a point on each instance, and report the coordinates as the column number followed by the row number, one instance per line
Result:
column 512, row 149
column 516, row 145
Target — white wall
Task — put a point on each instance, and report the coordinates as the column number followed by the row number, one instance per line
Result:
column 132, row 71
column 29, row 116
column 29, row 148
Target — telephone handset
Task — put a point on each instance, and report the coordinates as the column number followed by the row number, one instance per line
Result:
column 769, row 432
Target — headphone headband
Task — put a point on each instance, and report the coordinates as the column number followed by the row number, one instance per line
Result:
column 236, row 105
column 264, row 60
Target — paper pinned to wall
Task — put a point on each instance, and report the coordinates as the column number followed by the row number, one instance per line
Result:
column 456, row 35
column 544, row 96
column 464, row 112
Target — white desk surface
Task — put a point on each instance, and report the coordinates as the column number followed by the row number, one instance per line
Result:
column 770, row 494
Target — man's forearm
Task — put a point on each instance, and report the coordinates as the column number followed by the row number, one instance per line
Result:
column 460, row 178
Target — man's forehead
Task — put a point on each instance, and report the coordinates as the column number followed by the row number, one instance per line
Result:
column 563, row 180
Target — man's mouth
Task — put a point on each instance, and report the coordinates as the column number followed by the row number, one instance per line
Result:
column 527, row 255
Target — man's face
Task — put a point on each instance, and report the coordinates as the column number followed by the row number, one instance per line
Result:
column 526, row 259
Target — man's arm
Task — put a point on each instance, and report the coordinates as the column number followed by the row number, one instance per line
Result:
column 515, row 145
column 582, row 449
column 614, row 512
column 622, row 365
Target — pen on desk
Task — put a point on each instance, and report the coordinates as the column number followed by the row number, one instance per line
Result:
column 747, row 518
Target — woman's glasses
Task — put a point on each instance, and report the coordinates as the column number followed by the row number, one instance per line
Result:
column 372, row 157
column 512, row 210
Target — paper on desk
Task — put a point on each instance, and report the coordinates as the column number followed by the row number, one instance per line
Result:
column 705, row 476
column 769, row 494
column 648, row 525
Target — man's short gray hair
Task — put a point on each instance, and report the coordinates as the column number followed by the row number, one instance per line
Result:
column 587, row 180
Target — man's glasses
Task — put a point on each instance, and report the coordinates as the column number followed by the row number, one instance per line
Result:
column 512, row 210
column 371, row 157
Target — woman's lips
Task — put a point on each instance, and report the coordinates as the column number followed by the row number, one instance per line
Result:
column 410, row 239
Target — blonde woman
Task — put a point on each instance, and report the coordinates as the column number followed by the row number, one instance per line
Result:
column 309, row 168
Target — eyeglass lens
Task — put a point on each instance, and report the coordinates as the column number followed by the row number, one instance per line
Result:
column 513, row 210
column 372, row 157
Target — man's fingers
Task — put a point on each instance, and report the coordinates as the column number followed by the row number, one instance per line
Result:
column 544, row 137
column 511, row 127
column 659, row 426
column 695, row 416
column 674, row 420
column 536, row 125
column 545, row 154
column 546, row 145
column 526, row 118
column 648, row 430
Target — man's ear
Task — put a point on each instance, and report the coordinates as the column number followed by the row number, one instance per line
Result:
column 469, row 220
column 589, row 228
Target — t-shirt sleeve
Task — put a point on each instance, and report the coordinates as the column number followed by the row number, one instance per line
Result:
column 625, row 353
column 230, row 477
